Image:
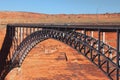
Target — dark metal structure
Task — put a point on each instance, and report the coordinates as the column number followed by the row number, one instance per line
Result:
column 21, row 38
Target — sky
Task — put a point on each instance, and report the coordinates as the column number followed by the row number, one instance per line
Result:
column 62, row 6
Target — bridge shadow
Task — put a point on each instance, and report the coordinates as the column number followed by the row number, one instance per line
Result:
column 5, row 50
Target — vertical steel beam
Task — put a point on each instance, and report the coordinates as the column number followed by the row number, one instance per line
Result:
column 26, row 32
column 13, row 37
column 118, row 53
column 21, row 34
column 84, row 40
column 99, row 36
column 17, row 36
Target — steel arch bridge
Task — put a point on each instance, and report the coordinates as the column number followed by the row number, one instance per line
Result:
column 21, row 38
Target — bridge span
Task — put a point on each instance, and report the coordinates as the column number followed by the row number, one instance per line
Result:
column 88, row 39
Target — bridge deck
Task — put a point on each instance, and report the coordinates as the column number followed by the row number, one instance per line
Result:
column 112, row 26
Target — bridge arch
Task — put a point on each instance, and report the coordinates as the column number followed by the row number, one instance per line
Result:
column 32, row 40
column 84, row 44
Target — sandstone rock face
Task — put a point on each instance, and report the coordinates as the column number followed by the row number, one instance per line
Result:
column 39, row 65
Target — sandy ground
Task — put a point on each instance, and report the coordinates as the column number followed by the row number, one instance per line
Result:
column 47, row 61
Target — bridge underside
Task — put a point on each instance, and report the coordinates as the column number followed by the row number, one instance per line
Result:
column 22, row 39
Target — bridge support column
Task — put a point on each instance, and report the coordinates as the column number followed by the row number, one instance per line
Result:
column 118, row 53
